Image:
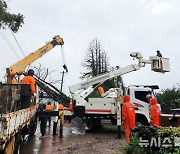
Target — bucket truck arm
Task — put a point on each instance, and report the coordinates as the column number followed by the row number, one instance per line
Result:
column 19, row 67
column 157, row 64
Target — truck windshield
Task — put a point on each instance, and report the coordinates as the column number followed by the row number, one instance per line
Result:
column 141, row 95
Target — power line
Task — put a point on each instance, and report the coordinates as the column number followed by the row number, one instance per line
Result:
column 9, row 44
column 18, row 43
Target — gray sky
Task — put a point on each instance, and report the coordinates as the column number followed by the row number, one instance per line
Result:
column 122, row 26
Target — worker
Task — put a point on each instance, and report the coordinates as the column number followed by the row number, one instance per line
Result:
column 27, row 89
column 149, row 96
column 61, row 117
column 101, row 90
column 49, row 107
column 128, row 116
column 154, row 112
column 61, row 107
column 55, row 121
column 158, row 53
column 43, row 121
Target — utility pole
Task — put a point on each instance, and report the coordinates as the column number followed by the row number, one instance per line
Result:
column 62, row 80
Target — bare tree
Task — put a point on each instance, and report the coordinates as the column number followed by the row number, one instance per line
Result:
column 95, row 63
column 43, row 73
column 95, row 60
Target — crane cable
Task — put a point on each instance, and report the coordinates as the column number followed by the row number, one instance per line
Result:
column 63, row 59
column 9, row 44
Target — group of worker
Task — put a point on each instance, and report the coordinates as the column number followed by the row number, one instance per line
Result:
column 128, row 108
column 28, row 91
column 128, row 114
column 46, row 121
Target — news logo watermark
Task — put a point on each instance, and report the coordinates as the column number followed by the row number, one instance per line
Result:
column 158, row 142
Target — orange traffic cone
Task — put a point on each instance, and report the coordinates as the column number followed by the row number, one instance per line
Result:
column 70, row 105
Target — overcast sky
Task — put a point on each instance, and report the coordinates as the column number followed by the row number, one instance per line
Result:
column 122, row 26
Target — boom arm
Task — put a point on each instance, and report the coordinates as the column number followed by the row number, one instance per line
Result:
column 155, row 62
column 20, row 66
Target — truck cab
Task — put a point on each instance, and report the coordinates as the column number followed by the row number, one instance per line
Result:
column 138, row 95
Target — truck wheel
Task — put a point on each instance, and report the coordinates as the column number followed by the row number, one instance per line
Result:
column 17, row 144
column 33, row 126
column 89, row 125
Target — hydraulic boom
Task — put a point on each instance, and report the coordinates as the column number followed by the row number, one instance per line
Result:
column 19, row 67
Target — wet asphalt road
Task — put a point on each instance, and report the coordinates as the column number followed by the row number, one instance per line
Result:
column 48, row 145
column 54, row 145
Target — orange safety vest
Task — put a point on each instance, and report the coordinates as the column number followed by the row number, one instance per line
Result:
column 49, row 107
column 60, row 107
column 31, row 81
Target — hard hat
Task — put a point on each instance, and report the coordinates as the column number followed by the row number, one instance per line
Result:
column 31, row 72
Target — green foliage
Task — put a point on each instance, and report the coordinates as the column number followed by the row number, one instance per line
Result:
column 170, row 133
column 133, row 146
column 12, row 21
column 162, row 135
column 169, row 94
column 169, row 99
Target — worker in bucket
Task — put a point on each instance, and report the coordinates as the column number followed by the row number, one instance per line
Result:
column 159, row 53
column 128, row 116
column 154, row 112
column 28, row 89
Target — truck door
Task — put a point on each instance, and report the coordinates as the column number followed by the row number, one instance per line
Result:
column 138, row 97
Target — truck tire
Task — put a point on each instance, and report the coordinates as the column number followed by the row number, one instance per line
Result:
column 17, row 144
column 89, row 125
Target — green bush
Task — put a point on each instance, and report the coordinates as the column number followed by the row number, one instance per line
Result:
column 169, row 134
column 169, row 99
column 134, row 147
column 158, row 139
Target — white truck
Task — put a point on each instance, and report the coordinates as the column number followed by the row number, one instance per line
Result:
column 96, row 111
column 15, row 122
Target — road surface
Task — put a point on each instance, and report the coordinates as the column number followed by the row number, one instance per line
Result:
column 104, row 141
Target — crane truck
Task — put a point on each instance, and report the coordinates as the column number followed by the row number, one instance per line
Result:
column 15, row 123
column 96, row 111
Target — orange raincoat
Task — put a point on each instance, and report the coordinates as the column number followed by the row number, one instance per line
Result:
column 128, row 116
column 154, row 112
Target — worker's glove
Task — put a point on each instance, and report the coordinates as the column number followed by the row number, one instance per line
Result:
column 34, row 94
